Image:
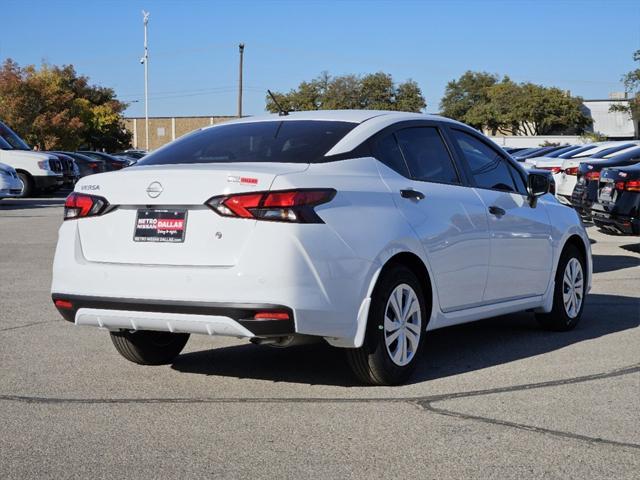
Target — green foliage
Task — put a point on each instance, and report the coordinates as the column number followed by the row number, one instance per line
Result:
column 591, row 137
column 631, row 82
column 55, row 108
column 547, row 143
column 486, row 101
column 375, row 91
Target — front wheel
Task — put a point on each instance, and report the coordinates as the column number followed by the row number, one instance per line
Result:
column 146, row 347
column 28, row 187
column 569, row 292
column 395, row 330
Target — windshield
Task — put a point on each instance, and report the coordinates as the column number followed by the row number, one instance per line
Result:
column 10, row 137
column 288, row 141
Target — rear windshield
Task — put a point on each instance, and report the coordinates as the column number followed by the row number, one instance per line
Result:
column 290, row 141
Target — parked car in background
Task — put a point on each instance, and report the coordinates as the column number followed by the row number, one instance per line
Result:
column 111, row 162
column 365, row 228
column 531, row 160
column 554, row 165
column 512, row 150
column 38, row 172
column 70, row 173
column 87, row 165
column 585, row 193
column 618, row 207
column 536, row 152
column 136, row 154
column 568, row 177
column 10, row 184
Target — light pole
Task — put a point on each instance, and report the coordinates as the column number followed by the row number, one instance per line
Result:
column 145, row 60
column 241, row 48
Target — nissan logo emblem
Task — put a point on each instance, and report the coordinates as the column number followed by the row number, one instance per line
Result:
column 154, row 189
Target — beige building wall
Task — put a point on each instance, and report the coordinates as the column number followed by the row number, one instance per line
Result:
column 163, row 130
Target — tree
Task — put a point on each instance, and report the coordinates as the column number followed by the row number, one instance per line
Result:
column 375, row 91
column 55, row 108
column 485, row 101
column 465, row 95
column 631, row 82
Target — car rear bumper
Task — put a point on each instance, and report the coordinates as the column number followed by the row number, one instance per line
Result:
column 307, row 271
column 619, row 224
column 227, row 319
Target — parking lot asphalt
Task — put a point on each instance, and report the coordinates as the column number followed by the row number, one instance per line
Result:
column 499, row 398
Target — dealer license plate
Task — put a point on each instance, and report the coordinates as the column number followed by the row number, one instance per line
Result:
column 160, row 226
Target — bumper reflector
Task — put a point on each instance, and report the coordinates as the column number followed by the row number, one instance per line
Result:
column 271, row 316
column 65, row 304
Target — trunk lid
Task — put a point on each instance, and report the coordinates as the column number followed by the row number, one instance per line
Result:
column 209, row 239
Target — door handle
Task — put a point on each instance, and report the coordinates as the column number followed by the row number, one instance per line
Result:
column 413, row 194
column 497, row 211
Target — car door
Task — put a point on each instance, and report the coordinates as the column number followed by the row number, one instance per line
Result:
column 447, row 216
column 521, row 248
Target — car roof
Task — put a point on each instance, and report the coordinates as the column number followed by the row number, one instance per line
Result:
column 353, row 116
column 369, row 123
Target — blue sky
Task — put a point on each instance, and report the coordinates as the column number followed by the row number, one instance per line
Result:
column 581, row 46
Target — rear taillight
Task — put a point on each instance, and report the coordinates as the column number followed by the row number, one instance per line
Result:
column 629, row 186
column 79, row 205
column 93, row 166
column 592, row 176
column 296, row 206
column 553, row 170
column 571, row 171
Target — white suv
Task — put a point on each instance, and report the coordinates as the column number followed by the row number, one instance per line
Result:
column 363, row 228
column 37, row 171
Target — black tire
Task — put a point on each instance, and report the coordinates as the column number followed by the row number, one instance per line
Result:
column 146, row 347
column 558, row 319
column 372, row 363
column 27, row 185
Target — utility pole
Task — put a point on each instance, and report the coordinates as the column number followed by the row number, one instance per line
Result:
column 145, row 60
column 241, row 47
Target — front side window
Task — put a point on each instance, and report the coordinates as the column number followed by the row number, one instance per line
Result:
column 280, row 141
column 426, row 155
column 488, row 168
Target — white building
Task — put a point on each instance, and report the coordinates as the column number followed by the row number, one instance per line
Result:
column 614, row 125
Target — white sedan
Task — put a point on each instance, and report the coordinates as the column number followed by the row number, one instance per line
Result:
column 363, row 228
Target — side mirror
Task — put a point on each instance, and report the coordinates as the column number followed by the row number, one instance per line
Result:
column 538, row 184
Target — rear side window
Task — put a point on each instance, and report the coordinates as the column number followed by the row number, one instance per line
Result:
column 290, row 141
column 488, row 168
column 386, row 150
column 426, row 155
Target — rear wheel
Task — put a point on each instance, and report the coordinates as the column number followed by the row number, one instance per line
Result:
column 27, row 185
column 569, row 293
column 395, row 330
column 146, row 347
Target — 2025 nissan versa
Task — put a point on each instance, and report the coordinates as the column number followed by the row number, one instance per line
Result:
column 364, row 228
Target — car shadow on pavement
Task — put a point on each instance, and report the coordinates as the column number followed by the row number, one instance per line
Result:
column 632, row 247
column 449, row 351
column 611, row 263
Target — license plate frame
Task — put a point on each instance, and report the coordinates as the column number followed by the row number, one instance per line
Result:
column 606, row 192
column 156, row 225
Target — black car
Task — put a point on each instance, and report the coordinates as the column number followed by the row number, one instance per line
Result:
column 86, row 165
column 111, row 162
column 618, row 207
column 536, row 152
column 68, row 168
column 585, row 193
